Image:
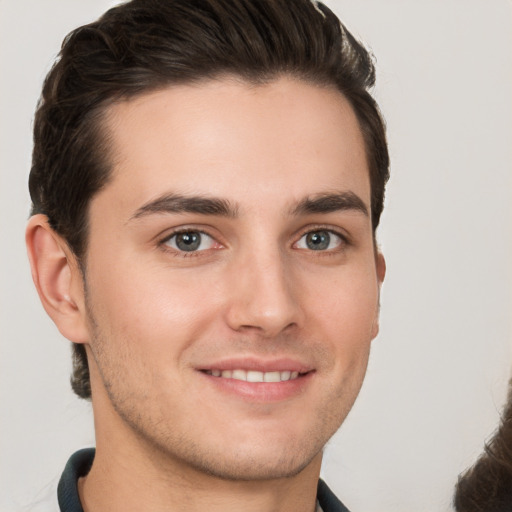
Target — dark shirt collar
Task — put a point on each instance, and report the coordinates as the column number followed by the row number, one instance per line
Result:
column 327, row 499
column 78, row 465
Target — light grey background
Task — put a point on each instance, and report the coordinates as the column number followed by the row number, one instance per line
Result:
column 438, row 372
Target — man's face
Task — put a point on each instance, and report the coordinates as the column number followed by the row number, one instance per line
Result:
column 231, row 279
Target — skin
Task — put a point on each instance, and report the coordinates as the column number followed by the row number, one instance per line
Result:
column 256, row 294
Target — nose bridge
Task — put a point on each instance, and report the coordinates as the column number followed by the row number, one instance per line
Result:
column 263, row 292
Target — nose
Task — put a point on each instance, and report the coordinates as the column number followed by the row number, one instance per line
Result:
column 263, row 296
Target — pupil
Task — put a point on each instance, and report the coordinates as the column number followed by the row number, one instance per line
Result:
column 318, row 241
column 188, row 241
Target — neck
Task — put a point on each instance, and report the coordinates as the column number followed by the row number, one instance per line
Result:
column 128, row 480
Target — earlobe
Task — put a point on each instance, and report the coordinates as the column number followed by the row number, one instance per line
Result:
column 380, row 265
column 57, row 278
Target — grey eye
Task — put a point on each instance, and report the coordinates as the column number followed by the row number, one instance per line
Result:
column 190, row 241
column 320, row 240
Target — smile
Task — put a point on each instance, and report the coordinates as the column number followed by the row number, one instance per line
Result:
column 255, row 380
column 254, row 376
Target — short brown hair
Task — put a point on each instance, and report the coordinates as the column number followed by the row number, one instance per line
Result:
column 487, row 486
column 144, row 45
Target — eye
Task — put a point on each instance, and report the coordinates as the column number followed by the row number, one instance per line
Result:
column 190, row 241
column 320, row 240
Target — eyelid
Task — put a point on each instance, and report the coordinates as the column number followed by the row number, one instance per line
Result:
column 169, row 232
column 324, row 227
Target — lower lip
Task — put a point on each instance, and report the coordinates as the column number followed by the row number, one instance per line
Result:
column 262, row 392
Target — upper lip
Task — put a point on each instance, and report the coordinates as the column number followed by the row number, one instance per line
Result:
column 258, row 364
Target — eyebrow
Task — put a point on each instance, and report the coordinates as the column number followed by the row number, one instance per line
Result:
column 330, row 202
column 203, row 205
column 177, row 203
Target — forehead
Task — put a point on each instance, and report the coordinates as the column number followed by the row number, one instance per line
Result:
column 275, row 142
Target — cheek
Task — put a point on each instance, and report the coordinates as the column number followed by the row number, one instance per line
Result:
column 345, row 309
column 151, row 310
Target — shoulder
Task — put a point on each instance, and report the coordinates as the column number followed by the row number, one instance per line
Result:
column 44, row 501
column 62, row 494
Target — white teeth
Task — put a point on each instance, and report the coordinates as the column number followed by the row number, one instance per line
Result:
column 272, row 377
column 238, row 374
column 254, row 376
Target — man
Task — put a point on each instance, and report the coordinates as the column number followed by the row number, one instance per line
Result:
column 207, row 180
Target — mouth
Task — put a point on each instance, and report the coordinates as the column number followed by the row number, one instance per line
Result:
column 259, row 380
column 256, row 376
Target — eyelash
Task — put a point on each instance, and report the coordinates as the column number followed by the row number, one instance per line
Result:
column 183, row 254
column 345, row 242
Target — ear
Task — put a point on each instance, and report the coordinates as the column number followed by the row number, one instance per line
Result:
column 57, row 278
column 380, row 267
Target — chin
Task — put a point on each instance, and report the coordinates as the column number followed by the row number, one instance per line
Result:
column 255, row 468
column 254, row 458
